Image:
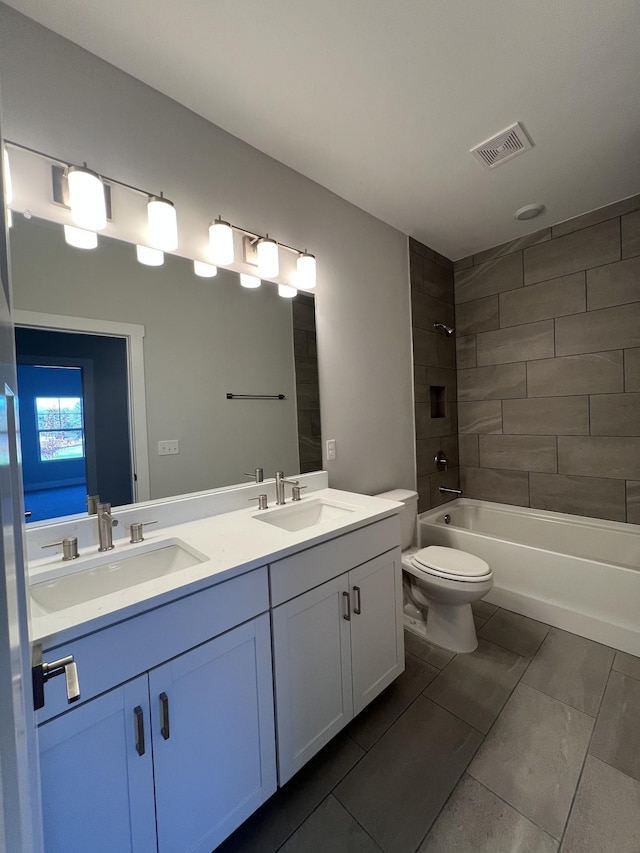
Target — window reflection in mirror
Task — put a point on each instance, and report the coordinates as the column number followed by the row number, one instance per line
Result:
column 203, row 339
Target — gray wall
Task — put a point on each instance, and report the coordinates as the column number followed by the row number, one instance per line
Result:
column 62, row 100
column 203, row 337
column 548, row 362
column 435, row 389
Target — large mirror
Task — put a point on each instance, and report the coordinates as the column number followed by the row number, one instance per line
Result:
column 201, row 340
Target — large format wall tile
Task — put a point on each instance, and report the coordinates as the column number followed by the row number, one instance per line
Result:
column 610, row 211
column 484, row 417
column 428, row 427
column 592, row 373
column 565, row 295
column 599, row 456
column 479, row 315
column 466, row 351
column 597, row 331
column 613, row 284
column 632, row 369
column 615, row 414
column 519, row 452
column 437, row 281
column 592, row 496
column 424, row 308
column 513, row 246
column 546, row 416
column 425, row 347
column 630, row 231
column 518, row 343
column 582, row 250
column 492, row 277
column 633, row 501
column 487, row 484
column 495, row 382
column 468, row 450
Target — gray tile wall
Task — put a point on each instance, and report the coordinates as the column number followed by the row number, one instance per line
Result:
column 434, row 358
column 548, row 364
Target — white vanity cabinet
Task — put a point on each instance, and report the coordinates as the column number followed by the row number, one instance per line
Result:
column 337, row 645
column 176, row 758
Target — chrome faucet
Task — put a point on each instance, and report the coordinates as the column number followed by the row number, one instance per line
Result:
column 280, row 481
column 444, row 491
column 106, row 523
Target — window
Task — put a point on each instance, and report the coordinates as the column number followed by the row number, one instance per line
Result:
column 60, row 426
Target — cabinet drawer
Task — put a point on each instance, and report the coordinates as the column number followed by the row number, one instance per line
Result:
column 301, row 572
column 118, row 653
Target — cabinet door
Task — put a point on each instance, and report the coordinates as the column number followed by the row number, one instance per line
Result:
column 97, row 790
column 312, row 659
column 213, row 738
column 377, row 643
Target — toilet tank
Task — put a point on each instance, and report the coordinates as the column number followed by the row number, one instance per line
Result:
column 408, row 515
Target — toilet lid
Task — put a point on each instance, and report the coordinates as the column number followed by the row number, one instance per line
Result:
column 451, row 562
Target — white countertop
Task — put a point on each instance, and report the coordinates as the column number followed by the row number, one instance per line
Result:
column 232, row 543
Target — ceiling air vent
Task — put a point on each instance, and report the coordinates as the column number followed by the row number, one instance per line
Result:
column 507, row 144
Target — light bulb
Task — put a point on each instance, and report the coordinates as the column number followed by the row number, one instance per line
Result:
column 249, row 280
column 221, row 242
column 149, row 257
column 306, row 267
column 162, row 224
column 86, row 199
column 204, row 270
column 8, row 188
column 268, row 266
column 287, row 291
column 80, row 238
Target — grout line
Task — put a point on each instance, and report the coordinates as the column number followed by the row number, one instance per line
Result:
column 515, row 808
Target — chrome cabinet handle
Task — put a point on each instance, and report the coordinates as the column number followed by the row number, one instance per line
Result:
column 139, row 722
column 164, row 716
column 357, row 606
column 347, row 599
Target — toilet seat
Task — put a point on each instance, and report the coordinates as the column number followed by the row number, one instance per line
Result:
column 451, row 564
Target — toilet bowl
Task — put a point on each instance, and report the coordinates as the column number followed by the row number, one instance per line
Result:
column 439, row 586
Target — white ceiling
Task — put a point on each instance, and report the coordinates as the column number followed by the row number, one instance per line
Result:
column 381, row 101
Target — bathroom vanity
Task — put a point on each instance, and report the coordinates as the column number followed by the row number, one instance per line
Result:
column 173, row 742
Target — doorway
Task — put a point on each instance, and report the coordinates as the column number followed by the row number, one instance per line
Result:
column 74, row 420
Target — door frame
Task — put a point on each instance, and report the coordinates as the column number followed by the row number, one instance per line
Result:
column 134, row 338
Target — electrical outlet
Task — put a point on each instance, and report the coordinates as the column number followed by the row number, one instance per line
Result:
column 331, row 448
column 168, row 448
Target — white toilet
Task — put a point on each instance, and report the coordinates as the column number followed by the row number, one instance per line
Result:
column 439, row 585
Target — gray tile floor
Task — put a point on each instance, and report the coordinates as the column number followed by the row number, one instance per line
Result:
column 531, row 744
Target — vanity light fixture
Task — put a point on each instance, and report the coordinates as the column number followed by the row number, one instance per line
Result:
column 251, row 281
column 287, row 290
column 80, row 238
column 268, row 264
column 221, row 242
column 162, row 223
column 149, row 257
column 306, row 267
column 86, row 198
column 204, row 270
column 8, row 189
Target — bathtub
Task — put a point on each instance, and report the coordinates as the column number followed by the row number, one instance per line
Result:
column 578, row 574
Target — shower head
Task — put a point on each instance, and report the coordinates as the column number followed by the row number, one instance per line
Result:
column 448, row 330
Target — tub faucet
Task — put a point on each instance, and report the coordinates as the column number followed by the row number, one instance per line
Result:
column 106, row 523
column 280, row 481
column 444, row 491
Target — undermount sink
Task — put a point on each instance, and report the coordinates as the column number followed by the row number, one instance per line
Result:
column 308, row 513
column 110, row 573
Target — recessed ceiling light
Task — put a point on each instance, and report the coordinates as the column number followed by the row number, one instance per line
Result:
column 529, row 211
